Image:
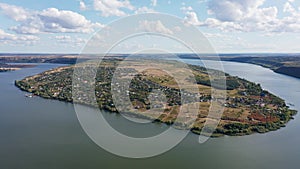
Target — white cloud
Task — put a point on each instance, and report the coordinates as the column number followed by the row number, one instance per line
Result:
column 224, row 26
column 112, row 7
column 82, row 6
column 68, row 40
column 154, row 26
column 55, row 20
column 251, row 16
column 288, row 8
column 4, row 36
column 235, row 10
column 49, row 20
column 14, row 12
column 144, row 9
column 153, row 2
column 184, row 8
column 31, row 26
column 191, row 18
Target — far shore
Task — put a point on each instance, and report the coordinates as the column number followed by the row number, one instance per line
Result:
column 10, row 67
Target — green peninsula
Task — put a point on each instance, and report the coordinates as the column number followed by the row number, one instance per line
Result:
column 248, row 108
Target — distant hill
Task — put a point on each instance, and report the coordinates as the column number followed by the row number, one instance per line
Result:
column 288, row 65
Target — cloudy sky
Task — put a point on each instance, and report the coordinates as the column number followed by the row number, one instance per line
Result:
column 232, row 26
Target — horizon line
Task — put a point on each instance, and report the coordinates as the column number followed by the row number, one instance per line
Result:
column 225, row 53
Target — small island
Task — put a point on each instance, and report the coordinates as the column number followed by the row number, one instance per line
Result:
column 248, row 108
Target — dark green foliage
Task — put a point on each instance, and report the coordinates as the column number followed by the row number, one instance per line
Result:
column 238, row 126
column 228, row 84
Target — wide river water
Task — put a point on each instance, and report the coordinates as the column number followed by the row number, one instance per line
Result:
column 36, row 133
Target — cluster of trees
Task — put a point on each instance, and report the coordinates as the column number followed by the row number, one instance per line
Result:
column 230, row 83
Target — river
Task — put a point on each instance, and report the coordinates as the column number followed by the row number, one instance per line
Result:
column 36, row 133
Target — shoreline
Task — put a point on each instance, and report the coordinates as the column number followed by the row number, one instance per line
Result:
column 236, row 128
column 177, row 126
column 278, row 70
column 11, row 67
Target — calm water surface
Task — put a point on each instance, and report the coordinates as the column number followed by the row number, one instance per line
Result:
column 36, row 133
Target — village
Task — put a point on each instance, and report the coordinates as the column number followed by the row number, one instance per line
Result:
column 247, row 109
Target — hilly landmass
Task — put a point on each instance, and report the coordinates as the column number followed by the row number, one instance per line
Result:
column 288, row 65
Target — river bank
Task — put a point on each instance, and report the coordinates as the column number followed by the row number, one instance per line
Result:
column 287, row 64
column 13, row 67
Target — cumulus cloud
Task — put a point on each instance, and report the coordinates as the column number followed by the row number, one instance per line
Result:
column 288, row 8
column 233, row 10
column 55, row 20
column 190, row 16
column 250, row 16
column 49, row 20
column 14, row 12
column 224, row 26
column 290, row 23
column 144, row 9
column 30, row 26
column 11, row 38
column 154, row 26
column 112, row 7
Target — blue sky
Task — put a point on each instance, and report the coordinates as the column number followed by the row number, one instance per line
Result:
column 232, row 26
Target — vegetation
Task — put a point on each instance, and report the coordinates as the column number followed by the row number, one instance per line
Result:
column 248, row 108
